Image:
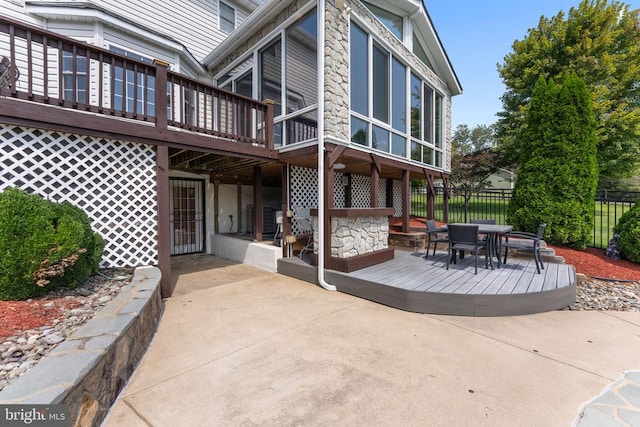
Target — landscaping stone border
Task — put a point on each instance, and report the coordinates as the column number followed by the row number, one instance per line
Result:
column 89, row 369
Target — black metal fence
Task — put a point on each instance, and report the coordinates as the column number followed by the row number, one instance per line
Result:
column 472, row 203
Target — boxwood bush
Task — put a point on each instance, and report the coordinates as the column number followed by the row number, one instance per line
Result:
column 43, row 245
column 628, row 229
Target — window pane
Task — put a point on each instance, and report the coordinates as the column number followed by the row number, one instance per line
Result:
column 277, row 134
column 227, row 18
column 392, row 21
column 420, row 53
column 416, row 105
column 416, row 151
column 438, row 162
column 271, row 75
column 302, row 71
column 380, row 139
column 399, row 96
column 359, row 131
column 244, row 85
column 380, row 84
column 398, row 145
column 359, row 74
column 427, row 155
column 427, row 133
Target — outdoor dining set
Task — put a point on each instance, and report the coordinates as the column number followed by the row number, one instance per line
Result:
column 483, row 236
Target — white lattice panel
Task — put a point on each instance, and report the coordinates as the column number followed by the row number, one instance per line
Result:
column 339, row 197
column 397, row 196
column 112, row 181
column 382, row 193
column 360, row 191
column 304, row 191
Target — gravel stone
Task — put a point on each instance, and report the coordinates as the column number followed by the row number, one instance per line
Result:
column 20, row 353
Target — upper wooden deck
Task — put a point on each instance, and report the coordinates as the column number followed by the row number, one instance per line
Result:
column 409, row 282
column 54, row 82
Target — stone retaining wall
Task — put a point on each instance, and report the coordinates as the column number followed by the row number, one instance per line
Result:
column 90, row 368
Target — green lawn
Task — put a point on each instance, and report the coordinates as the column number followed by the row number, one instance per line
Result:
column 495, row 206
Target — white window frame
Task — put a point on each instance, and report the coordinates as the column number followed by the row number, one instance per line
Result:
column 225, row 19
column 426, row 141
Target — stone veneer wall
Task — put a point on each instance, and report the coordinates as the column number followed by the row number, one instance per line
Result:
column 357, row 236
column 90, row 368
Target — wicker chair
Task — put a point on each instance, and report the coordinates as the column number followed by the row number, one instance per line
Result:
column 464, row 237
column 526, row 242
column 434, row 236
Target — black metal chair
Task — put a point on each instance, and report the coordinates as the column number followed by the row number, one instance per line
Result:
column 434, row 236
column 526, row 242
column 464, row 237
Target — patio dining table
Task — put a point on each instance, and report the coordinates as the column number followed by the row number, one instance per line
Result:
column 494, row 239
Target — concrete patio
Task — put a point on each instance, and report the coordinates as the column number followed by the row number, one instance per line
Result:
column 242, row 346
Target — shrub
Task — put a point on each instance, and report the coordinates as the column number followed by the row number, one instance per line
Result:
column 628, row 228
column 558, row 173
column 43, row 245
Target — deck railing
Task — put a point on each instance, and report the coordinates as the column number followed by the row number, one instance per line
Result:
column 484, row 203
column 45, row 67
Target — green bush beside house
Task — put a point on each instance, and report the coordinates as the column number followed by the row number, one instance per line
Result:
column 43, row 245
column 628, row 228
column 558, row 173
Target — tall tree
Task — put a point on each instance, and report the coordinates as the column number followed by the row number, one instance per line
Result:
column 472, row 157
column 600, row 42
column 558, row 173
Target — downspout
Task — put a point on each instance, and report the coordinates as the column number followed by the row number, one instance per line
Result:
column 321, row 211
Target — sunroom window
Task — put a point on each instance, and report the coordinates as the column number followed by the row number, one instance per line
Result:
column 390, row 20
column 393, row 109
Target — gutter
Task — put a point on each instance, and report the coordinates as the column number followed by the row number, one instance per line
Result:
column 321, row 189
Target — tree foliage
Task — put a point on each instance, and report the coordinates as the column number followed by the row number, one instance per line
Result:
column 600, row 42
column 473, row 158
column 558, row 174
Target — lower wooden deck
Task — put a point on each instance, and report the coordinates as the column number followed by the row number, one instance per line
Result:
column 410, row 282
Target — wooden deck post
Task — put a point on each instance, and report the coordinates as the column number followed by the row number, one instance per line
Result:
column 431, row 196
column 161, row 91
column 445, row 198
column 164, row 225
column 286, row 219
column 375, row 181
column 257, row 203
column 406, row 201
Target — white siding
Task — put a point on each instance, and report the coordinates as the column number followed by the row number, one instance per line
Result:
column 193, row 23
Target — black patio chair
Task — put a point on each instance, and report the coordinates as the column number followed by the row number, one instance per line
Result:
column 434, row 236
column 525, row 242
column 482, row 221
column 464, row 237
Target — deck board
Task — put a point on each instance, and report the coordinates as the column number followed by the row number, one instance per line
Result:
column 411, row 282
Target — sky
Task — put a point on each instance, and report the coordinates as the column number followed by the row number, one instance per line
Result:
column 477, row 35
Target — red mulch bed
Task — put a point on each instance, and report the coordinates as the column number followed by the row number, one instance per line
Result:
column 594, row 263
column 19, row 316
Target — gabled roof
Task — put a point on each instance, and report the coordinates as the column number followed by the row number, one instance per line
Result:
column 415, row 9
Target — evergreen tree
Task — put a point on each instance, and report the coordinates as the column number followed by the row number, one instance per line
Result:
column 558, row 172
